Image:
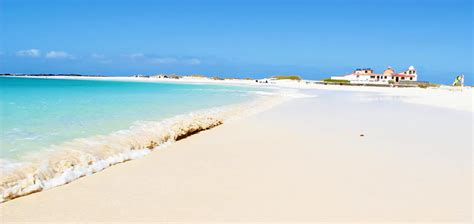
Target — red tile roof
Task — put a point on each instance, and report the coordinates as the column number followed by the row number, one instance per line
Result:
column 403, row 75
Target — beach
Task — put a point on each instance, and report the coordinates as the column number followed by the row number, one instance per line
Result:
column 236, row 111
column 332, row 154
column 443, row 96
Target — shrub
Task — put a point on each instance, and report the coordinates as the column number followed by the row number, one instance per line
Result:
column 290, row 77
column 329, row 80
column 423, row 85
column 426, row 85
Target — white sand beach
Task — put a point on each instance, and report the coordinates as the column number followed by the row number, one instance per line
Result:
column 262, row 111
column 362, row 154
column 444, row 96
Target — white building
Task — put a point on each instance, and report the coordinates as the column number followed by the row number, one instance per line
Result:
column 408, row 75
column 367, row 76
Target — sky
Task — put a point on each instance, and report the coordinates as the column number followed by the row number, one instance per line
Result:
column 237, row 38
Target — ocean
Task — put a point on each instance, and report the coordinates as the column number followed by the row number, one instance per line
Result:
column 56, row 130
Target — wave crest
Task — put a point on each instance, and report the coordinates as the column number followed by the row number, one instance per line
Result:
column 66, row 162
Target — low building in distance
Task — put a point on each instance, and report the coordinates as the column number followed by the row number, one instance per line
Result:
column 367, row 76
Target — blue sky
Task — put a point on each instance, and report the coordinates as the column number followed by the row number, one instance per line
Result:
column 241, row 38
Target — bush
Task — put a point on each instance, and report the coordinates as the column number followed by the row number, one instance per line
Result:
column 422, row 85
column 329, row 80
column 426, row 85
column 290, row 77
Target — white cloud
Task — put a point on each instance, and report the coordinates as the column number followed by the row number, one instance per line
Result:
column 34, row 53
column 165, row 60
column 59, row 54
column 193, row 61
column 135, row 55
column 97, row 56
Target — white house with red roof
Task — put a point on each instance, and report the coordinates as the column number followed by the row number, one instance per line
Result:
column 408, row 75
column 367, row 76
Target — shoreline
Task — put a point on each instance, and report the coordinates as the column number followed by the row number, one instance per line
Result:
column 78, row 158
column 299, row 161
column 444, row 96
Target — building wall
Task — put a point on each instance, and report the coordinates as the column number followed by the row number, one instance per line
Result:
column 356, row 78
column 351, row 77
column 360, row 76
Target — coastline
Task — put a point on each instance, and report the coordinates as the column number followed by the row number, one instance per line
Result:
column 258, row 112
column 444, row 96
column 71, row 160
column 298, row 161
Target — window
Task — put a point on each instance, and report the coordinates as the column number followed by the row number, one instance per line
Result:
column 372, row 77
column 411, row 78
column 403, row 78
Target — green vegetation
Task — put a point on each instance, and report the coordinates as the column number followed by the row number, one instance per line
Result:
column 426, row 85
column 217, row 78
column 290, row 77
column 329, row 80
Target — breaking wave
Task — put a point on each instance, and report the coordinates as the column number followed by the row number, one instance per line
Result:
column 63, row 163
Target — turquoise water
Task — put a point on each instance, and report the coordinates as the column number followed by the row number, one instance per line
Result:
column 37, row 113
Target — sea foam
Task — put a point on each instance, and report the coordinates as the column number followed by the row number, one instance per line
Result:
column 63, row 163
